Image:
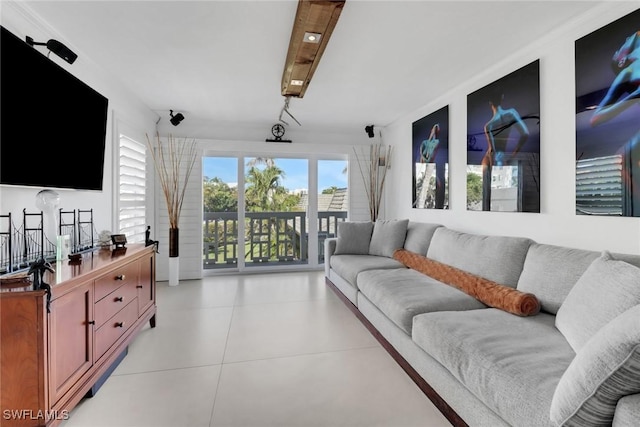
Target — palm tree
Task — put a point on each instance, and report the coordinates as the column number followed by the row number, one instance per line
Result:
column 262, row 186
column 266, row 161
column 264, row 193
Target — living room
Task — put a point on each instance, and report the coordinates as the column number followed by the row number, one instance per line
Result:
column 556, row 223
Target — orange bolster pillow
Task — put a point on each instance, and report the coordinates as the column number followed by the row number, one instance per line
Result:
column 484, row 290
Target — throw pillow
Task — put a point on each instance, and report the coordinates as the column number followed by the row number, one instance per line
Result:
column 605, row 369
column 550, row 272
column 354, row 237
column 388, row 236
column 607, row 288
column 490, row 293
column 419, row 235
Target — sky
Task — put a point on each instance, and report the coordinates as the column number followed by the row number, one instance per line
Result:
column 330, row 172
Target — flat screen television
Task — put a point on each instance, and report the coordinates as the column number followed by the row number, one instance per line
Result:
column 52, row 125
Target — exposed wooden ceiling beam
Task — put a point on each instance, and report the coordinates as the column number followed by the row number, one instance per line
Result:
column 312, row 16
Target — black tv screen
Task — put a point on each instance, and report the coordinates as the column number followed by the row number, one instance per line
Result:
column 52, row 125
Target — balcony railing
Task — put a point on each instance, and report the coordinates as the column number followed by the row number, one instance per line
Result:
column 271, row 238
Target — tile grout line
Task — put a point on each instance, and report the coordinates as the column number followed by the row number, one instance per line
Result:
column 224, row 353
column 289, row 356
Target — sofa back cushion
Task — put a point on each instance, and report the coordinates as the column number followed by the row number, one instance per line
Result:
column 419, row 235
column 497, row 258
column 606, row 289
column 354, row 237
column 388, row 235
column 551, row 271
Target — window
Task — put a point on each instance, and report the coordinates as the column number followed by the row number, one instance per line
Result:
column 132, row 186
column 599, row 189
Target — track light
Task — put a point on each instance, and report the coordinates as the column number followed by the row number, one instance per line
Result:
column 56, row 47
column 369, row 130
column 175, row 120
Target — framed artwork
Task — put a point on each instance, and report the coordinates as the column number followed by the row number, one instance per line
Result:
column 608, row 119
column 503, row 143
column 430, row 161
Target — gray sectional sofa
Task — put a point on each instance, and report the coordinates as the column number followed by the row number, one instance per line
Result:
column 575, row 362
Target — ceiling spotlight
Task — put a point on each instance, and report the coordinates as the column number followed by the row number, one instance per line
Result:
column 312, row 37
column 175, row 120
column 56, row 47
column 369, row 130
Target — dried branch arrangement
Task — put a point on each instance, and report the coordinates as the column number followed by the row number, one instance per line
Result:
column 169, row 159
column 374, row 171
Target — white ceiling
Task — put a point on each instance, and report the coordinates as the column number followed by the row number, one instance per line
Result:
column 222, row 61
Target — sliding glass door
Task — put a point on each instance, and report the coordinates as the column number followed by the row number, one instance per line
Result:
column 333, row 200
column 274, row 211
column 267, row 211
column 220, row 212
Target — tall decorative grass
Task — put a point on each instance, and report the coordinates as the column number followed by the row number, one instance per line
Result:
column 170, row 160
column 374, row 172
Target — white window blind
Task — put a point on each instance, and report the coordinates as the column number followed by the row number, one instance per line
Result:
column 132, row 188
column 599, row 186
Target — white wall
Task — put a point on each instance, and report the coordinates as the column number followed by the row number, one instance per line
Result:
column 123, row 109
column 557, row 222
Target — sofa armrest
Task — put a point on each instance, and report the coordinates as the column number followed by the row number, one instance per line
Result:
column 627, row 411
column 329, row 250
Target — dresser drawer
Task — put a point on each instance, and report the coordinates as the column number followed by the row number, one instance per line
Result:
column 114, row 302
column 116, row 278
column 115, row 327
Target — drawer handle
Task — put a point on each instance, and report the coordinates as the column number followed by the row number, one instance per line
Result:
column 118, row 299
column 91, row 322
column 120, row 277
column 139, row 286
column 120, row 325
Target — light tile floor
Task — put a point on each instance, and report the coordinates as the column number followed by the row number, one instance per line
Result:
column 274, row 349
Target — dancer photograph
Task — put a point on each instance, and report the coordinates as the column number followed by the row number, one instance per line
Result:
column 430, row 161
column 608, row 119
column 503, row 143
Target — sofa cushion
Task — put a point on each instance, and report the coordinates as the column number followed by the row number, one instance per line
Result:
column 387, row 236
column 513, row 364
column 606, row 289
column 628, row 258
column 354, row 237
column 486, row 291
column 627, row 411
column 349, row 266
column 402, row 294
column 551, row 271
column 497, row 258
column 605, row 369
column 419, row 235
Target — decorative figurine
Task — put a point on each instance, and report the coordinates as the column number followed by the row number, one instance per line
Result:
column 38, row 268
column 147, row 239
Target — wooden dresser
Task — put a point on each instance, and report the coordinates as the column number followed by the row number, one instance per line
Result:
column 50, row 360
